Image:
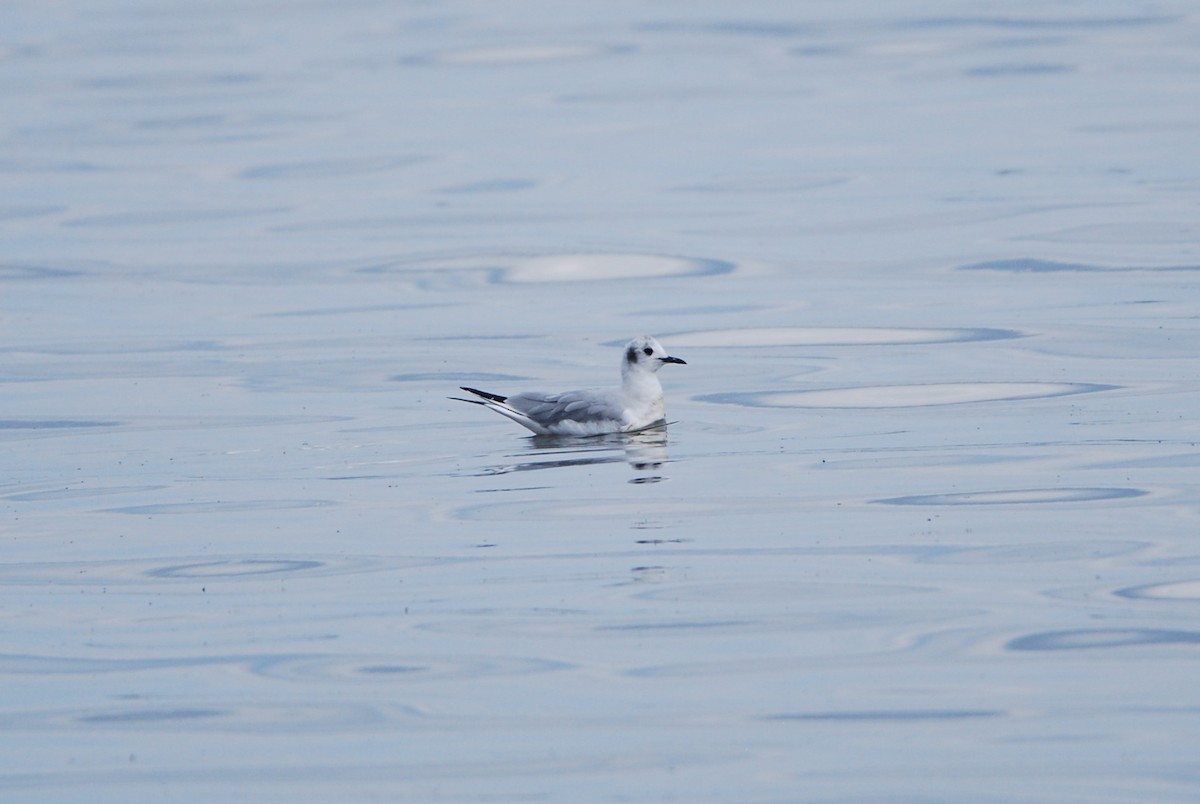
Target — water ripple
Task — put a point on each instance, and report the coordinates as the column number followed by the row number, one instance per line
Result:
column 1018, row 69
column 586, row 267
column 157, row 571
column 565, row 267
column 39, row 665
column 143, row 716
column 1030, row 265
column 836, row 336
column 905, row 396
column 773, row 591
column 889, row 715
column 378, row 668
column 638, row 509
column 51, row 424
column 171, row 217
column 24, row 272
column 1018, row 496
column 224, row 717
column 392, row 668
column 1035, row 553
column 516, row 55
column 330, row 168
column 219, row 507
column 236, row 568
column 1094, row 638
column 76, row 492
column 1175, row 590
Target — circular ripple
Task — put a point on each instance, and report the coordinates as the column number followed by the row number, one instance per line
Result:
column 75, row 492
column 586, row 267
column 1177, row 590
column 1018, row 496
column 570, row 267
column 1035, row 553
column 389, row 669
column 776, row 591
column 190, row 568
column 170, row 217
column 251, row 718
column 834, row 336
column 1089, row 639
column 528, row 54
column 890, row 715
column 906, row 396
column 330, row 168
column 217, row 507
column 236, row 568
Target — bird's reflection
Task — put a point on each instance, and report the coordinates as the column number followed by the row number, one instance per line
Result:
column 645, row 451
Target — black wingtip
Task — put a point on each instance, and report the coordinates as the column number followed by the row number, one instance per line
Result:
column 484, row 394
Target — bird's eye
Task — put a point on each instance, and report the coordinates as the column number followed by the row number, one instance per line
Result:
column 647, row 351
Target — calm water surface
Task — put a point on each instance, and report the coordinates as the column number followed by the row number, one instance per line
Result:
column 923, row 526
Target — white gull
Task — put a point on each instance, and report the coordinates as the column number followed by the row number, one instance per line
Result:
column 636, row 405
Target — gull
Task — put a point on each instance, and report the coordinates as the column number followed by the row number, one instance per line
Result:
column 636, row 405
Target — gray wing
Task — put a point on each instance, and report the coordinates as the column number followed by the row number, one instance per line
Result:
column 575, row 406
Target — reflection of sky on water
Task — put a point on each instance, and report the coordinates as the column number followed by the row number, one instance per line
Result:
column 927, row 490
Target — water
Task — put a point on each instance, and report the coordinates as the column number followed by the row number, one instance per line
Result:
column 923, row 526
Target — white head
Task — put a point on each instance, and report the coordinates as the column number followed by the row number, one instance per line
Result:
column 646, row 354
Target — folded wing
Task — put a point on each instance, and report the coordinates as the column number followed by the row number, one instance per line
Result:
column 588, row 408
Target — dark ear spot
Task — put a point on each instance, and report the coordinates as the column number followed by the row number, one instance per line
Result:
column 631, row 355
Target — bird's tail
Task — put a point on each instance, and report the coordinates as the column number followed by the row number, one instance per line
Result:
column 484, row 394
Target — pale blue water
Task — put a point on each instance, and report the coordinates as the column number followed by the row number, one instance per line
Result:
column 924, row 526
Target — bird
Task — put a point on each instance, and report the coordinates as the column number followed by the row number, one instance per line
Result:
column 636, row 405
